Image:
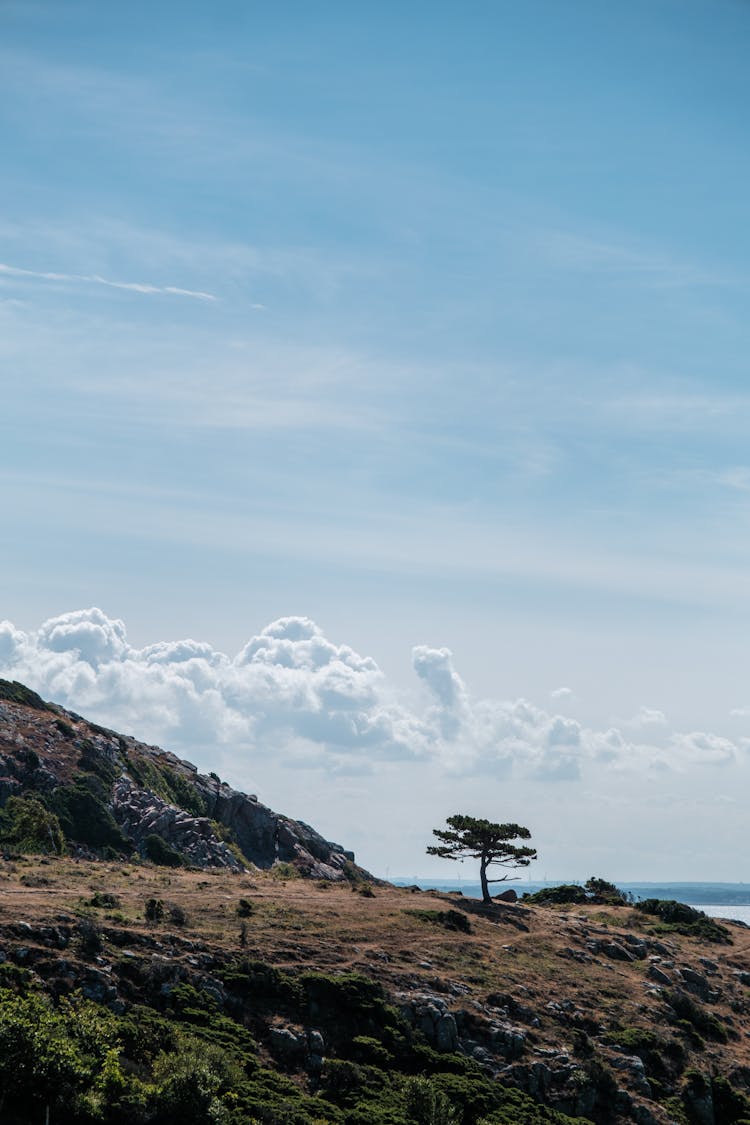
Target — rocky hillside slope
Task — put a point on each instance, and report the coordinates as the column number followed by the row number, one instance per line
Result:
column 333, row 1003
column 112, row 794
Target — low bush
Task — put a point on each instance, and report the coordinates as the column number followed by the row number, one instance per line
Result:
column 563, row 894
column 26, row 826
column 449, row 919
column 103, row 900
column 84, row 815
column 159, row 851
column 154, row 910
column 695, row 1015
column 594, row 890
column 678, row 917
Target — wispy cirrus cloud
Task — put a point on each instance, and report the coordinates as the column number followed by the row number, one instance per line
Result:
column 145, row 288
column 653, row 266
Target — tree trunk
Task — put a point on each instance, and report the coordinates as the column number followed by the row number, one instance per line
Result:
column 486, row 897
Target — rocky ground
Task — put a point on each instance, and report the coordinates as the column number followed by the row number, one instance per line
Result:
column 150, row 791
column 535, row 995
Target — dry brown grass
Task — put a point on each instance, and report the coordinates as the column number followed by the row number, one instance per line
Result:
column 511, row 950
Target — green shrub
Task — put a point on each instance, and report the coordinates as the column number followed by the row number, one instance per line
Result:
column 27, row 826
column 566, row 893
column 177, row 915
column 680, row 918
column 601, row 891
column 633, row 1039
column 192, row 1082
column 262, row 984
column 84, row 816
column 96, row 762
column 366, row 1049
column 427, row 1105
column 90, row 936
column 154, row 910
column 594, row 890
column 730, row 1106
column 686, row 1009
column 448, row 919
column 283, row 870
column 159, row 851
column 103, row 900
column 13, row 692
column 167, row 783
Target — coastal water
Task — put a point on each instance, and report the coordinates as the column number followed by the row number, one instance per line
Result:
column 718, row 900
column 736, row 913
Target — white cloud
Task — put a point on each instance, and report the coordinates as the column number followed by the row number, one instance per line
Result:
column 649, row 265
column 294, row 697
column 142, row 287
column 648, row 716
column 706, row 748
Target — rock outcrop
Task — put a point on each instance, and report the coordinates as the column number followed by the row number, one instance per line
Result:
column 46, row 750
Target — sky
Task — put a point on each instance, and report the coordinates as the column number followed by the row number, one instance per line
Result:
column 395, row 355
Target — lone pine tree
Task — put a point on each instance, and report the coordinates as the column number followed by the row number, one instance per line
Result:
column 466, row 836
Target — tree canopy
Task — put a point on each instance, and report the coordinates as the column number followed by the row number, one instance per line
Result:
column 470, row 837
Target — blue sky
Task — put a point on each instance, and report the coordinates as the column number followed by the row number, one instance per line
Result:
column 427, row 324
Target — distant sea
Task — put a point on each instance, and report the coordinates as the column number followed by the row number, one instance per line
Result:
column 718, row 900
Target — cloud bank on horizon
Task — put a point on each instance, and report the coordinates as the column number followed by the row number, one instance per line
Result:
column 296, row 697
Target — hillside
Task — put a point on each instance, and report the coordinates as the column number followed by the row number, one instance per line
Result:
column 138, row 993
column 115, row 795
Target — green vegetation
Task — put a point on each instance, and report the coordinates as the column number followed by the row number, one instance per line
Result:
column 564, row 894
column 634, row 1040
column 695, row 1017
column 27, row 826
column 93, row 761
column 13, row 692
column 103, row 900
column 468, row 836
column 448, row 919
column 159, row 851
column 283, row 870
column 84, row 816
column 167, row 783
column 594, row 890
column 679, row 918
column 154, row 910
column 194, row 1065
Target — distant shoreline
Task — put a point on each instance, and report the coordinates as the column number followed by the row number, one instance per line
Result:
column 703, row 894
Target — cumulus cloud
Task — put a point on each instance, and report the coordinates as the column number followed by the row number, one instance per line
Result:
column 648, row 716
column 293, row 696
